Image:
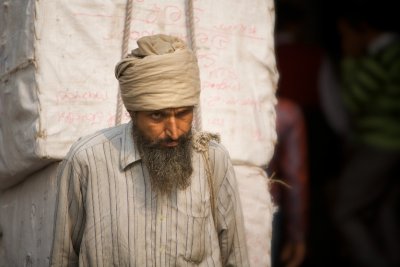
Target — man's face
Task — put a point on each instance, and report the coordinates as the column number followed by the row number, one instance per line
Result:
column 166, row 125
column 165, row 143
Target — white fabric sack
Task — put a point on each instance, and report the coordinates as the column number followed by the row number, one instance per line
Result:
column 57, row 79
column 258, row 210
column 27, row 220
column 57, row 73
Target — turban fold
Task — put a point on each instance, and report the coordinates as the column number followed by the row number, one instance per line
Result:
column 161, row 73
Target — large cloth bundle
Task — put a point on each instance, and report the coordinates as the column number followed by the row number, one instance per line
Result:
column 258, row 210
column 27, row 220
column 57, row 73
column 57, row 82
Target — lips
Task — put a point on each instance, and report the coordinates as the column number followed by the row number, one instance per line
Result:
column 170, row 143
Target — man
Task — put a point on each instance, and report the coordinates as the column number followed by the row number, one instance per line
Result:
column 150, row 192
column 366, row 208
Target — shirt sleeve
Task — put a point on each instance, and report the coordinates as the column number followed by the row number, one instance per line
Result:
column 230, row 225
column 69, row 217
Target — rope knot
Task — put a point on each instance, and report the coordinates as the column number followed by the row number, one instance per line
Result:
column 202, row 139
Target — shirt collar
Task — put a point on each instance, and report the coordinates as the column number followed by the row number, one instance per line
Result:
column 129, row 151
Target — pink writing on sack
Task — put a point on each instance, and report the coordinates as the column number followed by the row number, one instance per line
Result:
column 66, row 96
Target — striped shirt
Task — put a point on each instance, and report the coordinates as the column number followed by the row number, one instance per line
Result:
column 371, row 91
column 108, row 215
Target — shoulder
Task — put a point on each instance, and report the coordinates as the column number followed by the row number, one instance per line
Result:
column 288, row 115
column 287, row 108
column 211, row 141
column 392, row 50
column 98, row 138
column 218, row 151
column 217, row 154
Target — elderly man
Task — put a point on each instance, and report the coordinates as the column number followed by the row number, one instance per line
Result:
column 150, row 192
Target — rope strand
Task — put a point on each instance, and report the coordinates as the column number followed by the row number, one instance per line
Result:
column 192, row 40
column 125, row 45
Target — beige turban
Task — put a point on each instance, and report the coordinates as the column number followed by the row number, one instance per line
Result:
column 160, row 73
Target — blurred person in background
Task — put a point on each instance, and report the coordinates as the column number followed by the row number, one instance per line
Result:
column 289, row 165
column 366, row 210
column 297, row 157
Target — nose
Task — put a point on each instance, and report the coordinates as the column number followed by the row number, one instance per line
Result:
column 171, row 128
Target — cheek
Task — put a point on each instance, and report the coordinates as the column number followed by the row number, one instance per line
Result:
column 185, row 125
column 149, row 130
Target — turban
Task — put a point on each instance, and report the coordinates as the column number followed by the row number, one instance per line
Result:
column 161, row 73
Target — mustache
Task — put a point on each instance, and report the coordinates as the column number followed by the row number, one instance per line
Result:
column 181, row 140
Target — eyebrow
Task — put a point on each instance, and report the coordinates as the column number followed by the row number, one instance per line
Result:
column 184, row 109
column 168, row 111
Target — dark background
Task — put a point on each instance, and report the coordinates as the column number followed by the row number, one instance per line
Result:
column 317, row 30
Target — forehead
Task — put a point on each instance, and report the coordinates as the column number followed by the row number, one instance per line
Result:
column 170, row 110
column 162, row 110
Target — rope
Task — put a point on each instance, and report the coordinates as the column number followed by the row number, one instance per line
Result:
column 23, row 65
column 125, row 44
column 191, row 26
column 211, row 186
column 192, row 39
column 200, row 144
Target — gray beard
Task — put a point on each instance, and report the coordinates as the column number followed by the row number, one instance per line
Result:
column 170, row 168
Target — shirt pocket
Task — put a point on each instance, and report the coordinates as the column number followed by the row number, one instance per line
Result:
column 192, row 228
